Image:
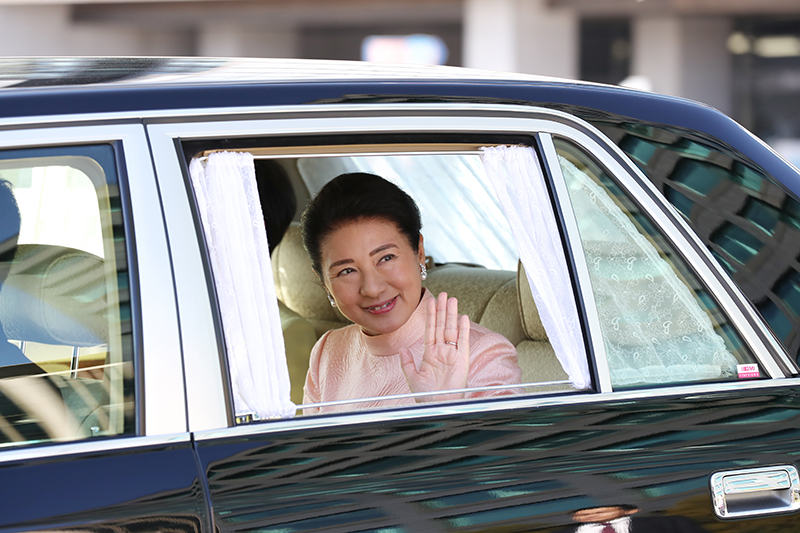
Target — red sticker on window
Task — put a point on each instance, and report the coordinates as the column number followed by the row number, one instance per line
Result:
column 748, row 371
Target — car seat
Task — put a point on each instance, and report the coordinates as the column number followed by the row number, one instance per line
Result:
column 55, row 295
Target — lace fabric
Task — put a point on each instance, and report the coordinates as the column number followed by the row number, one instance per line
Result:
column 230, row 211
column 654, row 329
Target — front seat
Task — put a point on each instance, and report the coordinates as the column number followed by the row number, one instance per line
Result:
column 56, row 295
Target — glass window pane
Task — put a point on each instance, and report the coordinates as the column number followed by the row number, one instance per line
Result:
column 659, row 324
column 66, row 348
column 737, row 243
column 748, row 220
column 763, row 215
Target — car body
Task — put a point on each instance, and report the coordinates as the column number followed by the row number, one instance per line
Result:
column 142, row 352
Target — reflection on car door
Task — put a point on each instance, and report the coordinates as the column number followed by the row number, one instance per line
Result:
column 523, row 469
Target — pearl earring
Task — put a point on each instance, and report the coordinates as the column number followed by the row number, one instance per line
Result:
column 331, row 300
column 423, row 271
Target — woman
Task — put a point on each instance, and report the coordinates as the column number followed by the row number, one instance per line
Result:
column 362, row 234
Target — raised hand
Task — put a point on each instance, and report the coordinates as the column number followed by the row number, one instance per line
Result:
column 445, row 359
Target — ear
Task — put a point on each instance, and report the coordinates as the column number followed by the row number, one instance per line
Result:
column 421, row 251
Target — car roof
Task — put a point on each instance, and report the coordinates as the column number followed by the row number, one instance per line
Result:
column 148, row 86
column 23, row 72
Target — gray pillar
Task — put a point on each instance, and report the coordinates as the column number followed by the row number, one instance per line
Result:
column 521, row 36
column 49, row 30
column 237, row 40
column 685, row 56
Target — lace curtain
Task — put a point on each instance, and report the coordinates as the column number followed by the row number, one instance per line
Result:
column 653, row 326
column 519, row 185
column 230, row 211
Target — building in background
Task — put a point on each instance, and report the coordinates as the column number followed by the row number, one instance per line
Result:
column 741, row 56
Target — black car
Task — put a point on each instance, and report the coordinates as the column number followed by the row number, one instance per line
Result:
column 641, row 252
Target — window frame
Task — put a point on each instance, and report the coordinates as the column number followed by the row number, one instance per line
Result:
column 153, row 310
column 489, row 120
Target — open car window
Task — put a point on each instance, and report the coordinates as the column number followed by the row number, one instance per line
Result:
column 471, row 255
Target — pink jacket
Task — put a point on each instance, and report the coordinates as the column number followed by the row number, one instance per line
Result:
column 348, row 364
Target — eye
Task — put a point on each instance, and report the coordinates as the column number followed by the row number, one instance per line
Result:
column 387, row 257
column 344, row 271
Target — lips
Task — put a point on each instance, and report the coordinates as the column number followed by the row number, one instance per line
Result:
column 382, row 308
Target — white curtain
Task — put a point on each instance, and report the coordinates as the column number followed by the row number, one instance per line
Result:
column 230, row 211
column 519, row 184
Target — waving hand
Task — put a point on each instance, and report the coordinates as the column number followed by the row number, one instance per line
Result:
column 445, row 359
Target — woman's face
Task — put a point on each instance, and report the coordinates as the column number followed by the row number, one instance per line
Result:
column 373, row 274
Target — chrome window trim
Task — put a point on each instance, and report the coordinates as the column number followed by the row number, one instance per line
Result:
column 164, row 411
column 8, row 455
column 357, row 418
column 207, row 114
column 436, row 393
column 589, row 306
column 442, row 118
column 164, row 390
column 203, row 361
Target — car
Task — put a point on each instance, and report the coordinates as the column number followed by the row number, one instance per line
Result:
column 641, row 252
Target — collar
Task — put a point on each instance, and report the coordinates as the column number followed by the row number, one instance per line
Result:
column 402, row 337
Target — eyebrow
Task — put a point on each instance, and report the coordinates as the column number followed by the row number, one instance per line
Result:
column 382, row 248
column 377, row 250
column 339, row 263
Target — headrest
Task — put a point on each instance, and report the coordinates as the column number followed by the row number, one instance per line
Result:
column 55, row 295
column 473, row 286
column 531, row 322
column 296, row 285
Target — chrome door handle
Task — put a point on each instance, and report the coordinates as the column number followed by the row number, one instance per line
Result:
column 755, row 491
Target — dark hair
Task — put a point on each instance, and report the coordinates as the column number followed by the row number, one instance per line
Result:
column 278, row 201
column 354, row 196
column 9, row 228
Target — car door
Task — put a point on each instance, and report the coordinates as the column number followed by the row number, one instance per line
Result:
column 92, row 406
column 645, row 444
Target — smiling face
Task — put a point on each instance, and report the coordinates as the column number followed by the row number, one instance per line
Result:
column 373, row 274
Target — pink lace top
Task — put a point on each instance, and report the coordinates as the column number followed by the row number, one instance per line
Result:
column 348, row 364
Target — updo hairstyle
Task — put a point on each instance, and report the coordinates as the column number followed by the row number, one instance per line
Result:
column 352, row 197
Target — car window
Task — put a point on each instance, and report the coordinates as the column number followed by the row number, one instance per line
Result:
column 65, row 337
column 749, row 222
column 659, row 323
column 470, row 255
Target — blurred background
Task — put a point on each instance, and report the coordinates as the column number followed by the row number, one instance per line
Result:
column 741, row 56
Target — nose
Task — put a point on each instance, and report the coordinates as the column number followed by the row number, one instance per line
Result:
column 372, row 284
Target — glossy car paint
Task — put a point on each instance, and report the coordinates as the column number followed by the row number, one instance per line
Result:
column 134, row 484
column 514, row 470
column 495, row 466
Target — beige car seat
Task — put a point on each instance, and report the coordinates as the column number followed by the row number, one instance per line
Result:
column 305, row 311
